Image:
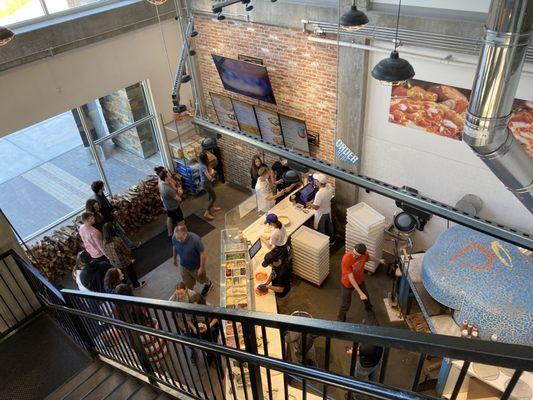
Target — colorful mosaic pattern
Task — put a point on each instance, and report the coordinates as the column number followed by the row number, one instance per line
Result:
column 486, row 281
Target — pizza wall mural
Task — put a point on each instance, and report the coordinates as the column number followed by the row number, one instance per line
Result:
column 441, row 109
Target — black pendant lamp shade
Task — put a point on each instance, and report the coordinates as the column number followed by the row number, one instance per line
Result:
column 5, row 35
column 393, row 70
column 353, row 20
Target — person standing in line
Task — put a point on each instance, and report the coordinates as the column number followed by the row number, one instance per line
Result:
column 93, row 206
column 109, row 213
column 93, row 272
column 278, row 169
column 91, row 237
column 257, row 163
column 322, row 205
column 182, row 294
column 169, row 179
column 210, row 145
column 207, row 177
column 353, row 279
column 190, row 249
column 119, row 255
column 171, row 201
column 113, row 277
column 263, row 190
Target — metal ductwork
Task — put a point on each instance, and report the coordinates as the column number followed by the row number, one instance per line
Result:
column 507, row 36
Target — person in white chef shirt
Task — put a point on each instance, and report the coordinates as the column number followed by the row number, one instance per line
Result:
column 322, row 205
column 263, row 190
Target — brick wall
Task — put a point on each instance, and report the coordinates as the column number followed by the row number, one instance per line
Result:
column 303, row 75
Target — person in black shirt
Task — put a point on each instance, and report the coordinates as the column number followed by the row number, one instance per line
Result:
column 93, row 272
column 278, row 169
column 279, row 280
column 107, row 210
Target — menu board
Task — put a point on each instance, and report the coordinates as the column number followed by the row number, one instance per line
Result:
column 246, row 117
column 269, row 125
column 224, row 109
column 294, row 133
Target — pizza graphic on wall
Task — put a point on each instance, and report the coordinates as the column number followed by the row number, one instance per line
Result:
column 441, row 110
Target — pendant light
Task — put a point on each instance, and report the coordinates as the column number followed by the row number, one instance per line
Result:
column 6, row 35
column 353, row 20
column 157, row 2
column 394, row 71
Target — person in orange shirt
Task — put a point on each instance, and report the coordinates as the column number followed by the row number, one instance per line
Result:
column 353, row 278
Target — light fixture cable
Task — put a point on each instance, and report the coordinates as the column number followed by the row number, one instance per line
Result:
column 397, row 25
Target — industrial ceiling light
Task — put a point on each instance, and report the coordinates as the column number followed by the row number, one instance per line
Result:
column 157, row 2
column 248, row 7
column 6, row 35
column 194, row 33
column 354, row 19
column 185, row 78
column 221, row 17
column 394, row 71
column 192, row 52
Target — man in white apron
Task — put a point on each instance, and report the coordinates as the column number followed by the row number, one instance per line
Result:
column 322, row 205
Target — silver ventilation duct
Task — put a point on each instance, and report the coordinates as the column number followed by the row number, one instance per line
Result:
column 507, row 35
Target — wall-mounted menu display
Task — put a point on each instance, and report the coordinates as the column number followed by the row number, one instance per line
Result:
column 224, row 109
column 294, row 133
column 246, row 117
column 269, row 125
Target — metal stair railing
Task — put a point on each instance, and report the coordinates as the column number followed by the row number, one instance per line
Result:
column 160, row 340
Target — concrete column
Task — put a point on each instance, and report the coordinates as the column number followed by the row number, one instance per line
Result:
column 351, row 99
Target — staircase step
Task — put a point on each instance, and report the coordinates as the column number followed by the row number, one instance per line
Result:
column 106, row 387
column 144, row 393
column 128, row 387
column 76, row 381
column 93, row 381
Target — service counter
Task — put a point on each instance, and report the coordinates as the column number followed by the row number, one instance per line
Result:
column 297, row 216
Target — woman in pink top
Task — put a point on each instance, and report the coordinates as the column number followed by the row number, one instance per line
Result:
column 91, row 237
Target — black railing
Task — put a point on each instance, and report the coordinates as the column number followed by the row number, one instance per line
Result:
column 18, row 303
column 251, row 355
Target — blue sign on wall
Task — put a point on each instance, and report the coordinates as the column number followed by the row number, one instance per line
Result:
column 344, row 153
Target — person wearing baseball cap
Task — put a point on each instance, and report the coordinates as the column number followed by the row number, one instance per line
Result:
column 278, row 237
column 279, row 280
column 322, row 204
column 353, row 279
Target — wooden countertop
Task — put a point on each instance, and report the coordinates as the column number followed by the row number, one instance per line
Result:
column 267, row 302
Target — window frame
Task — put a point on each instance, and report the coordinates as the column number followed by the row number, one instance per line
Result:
column 159, row 136
column 48, row 16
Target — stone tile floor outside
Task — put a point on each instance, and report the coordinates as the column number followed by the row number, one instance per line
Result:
column 42, row 180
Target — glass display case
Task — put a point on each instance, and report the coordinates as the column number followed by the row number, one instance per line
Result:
column 244, row 214
column 235, row 287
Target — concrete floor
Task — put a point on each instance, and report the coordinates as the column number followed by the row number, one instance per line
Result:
column 320, row 302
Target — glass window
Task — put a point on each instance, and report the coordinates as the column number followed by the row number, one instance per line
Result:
column 116, row 110
column 13, row 11
column 54, row 6
column 46, row 169
column 129, row 157
column 45, row 172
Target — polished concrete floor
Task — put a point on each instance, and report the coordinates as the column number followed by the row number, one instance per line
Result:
column 320, row 302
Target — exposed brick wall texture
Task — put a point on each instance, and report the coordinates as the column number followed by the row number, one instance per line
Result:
column 303, row 75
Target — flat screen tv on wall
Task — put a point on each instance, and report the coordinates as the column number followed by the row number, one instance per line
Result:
column 245, row 78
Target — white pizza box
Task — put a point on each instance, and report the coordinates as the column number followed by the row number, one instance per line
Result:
column 364, row 216
column 310, row 237
column 310, row 252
